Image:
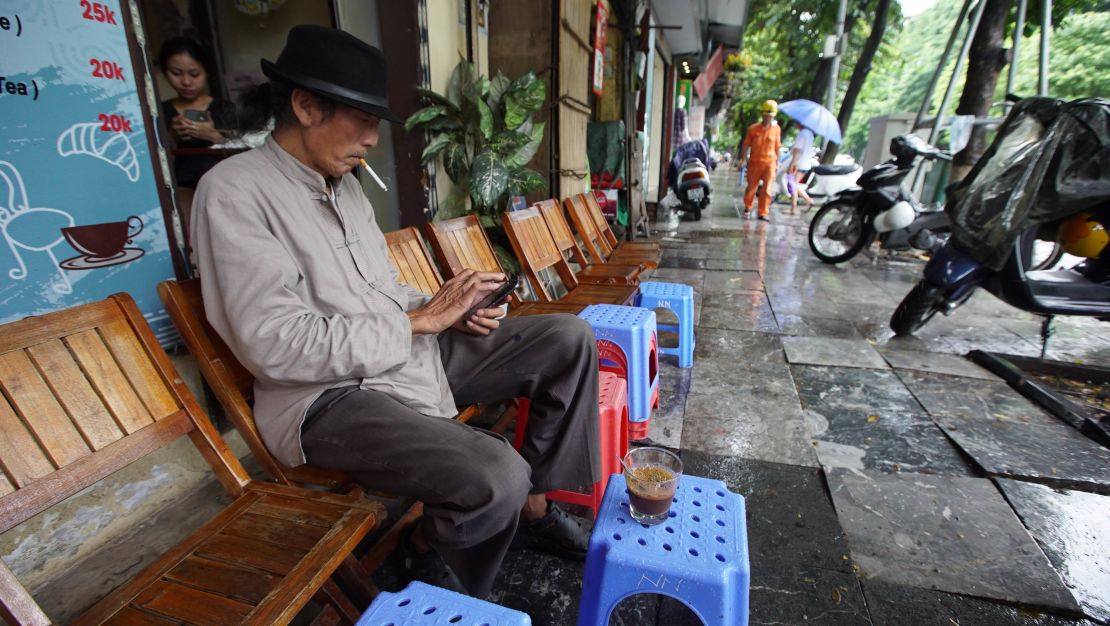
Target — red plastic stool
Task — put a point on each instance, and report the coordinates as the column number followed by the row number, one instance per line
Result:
column 613, row 406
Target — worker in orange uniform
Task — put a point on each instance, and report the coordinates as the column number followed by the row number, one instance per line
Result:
column 760, row 152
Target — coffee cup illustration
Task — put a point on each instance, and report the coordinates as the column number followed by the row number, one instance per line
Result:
column 103, row 244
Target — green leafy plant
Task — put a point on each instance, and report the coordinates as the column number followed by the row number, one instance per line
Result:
column 484, row 132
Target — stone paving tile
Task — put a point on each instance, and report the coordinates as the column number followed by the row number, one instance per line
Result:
column 816, row 326
column 730, row 282
column 1073, row 339
column 831, row 351
column 943, row 532
column 791, row 520
column 792, row 595
column 729, row 264
column 890, row 443
column 863, row 391
column 951, row 396
column 900, row 605
column 747, row 426
column 746, row 310
column 682, row 262
column 935, row 362
column 674, row 387
column 1073, row 528
column 1055, row 454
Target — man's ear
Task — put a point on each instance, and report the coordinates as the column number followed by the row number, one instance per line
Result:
column 306, row 107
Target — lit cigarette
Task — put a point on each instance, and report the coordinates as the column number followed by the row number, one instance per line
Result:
column 367, row 167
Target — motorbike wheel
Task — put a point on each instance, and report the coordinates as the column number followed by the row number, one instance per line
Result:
column 834, row 215
column 918, row 307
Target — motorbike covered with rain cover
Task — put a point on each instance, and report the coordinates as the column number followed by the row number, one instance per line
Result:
column 1049, row 161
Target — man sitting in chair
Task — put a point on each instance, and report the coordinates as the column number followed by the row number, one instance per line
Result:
column 359, row 373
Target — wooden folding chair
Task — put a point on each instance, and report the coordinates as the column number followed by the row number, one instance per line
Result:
column 87, row 391
column 607, row 232
column 461, row 243
column 233, row 387
column 410, row 259
column 646, row 254
column 596, row 274
column 536, row 251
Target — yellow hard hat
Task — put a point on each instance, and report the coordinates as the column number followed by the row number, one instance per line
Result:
column 1084, row 235
column 769, row 106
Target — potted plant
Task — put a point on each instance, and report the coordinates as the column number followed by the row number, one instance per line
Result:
column 484, row 132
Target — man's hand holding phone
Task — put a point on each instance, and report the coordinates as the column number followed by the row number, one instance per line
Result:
column 466, row 303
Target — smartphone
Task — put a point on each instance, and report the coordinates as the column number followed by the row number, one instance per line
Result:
column 195, row 115
column 498, row 296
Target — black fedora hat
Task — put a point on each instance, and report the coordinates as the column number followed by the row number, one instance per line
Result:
column 334, row 64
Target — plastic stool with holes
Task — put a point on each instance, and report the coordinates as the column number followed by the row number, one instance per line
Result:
column 679, row 299
column 421, row 604
column 627, row 345
column 699, row 555
column 613, row 409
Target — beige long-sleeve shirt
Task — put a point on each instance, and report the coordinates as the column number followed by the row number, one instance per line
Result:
column 299, row 284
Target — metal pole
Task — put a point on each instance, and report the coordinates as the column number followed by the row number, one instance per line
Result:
column 1011, row 77
column 1046, row 25
column 940, row 67
column 972, row 27
column 841, row 14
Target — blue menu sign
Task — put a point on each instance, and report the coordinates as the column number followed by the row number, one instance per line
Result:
column 80, row 217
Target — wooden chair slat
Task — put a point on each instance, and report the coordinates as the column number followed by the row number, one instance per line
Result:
column 148, row 384
column 238, row 583
column 96, row 424
column 411, row 260
column 253, row 552
column 134, row 617
column 51, row 489
column 40, row 410
column 20, row 456
column 192, row 606
column 17, row 606
column 276, row 531
column 108, row 378
column 298, row 511
column 39, row 328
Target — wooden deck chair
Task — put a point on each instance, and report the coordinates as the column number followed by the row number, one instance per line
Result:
column 87, row 391
column 598, row 246
column 607, row 232
column 597, row 274
column 233, row 386
column 461, row 243
column 410, row 259
column 536, row 251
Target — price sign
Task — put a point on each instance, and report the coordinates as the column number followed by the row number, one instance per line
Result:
column 80, row 215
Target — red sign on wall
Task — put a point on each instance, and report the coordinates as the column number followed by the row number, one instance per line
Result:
column 601, row 29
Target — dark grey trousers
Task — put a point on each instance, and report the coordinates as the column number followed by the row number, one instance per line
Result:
column 473, row 485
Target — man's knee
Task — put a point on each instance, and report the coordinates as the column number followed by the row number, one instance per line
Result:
column 500, row 479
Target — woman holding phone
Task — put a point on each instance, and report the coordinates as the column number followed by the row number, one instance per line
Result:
column 193, row 116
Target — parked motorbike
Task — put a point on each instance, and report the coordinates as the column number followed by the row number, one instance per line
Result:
column 824, row 180
column 688, row 176
column 1047, row 174
column 881, row 207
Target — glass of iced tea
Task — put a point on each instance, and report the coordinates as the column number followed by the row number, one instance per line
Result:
column 652, row 477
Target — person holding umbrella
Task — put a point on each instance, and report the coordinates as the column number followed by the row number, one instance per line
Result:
column 798, row 170
column 760, row 152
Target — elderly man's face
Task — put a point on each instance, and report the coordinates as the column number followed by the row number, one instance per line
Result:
column 335, row 143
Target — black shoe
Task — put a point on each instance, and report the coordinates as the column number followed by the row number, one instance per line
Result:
column 764, row 218
column 558, row 533
column 429, row 568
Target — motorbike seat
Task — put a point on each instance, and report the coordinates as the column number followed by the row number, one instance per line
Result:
column 834, row 170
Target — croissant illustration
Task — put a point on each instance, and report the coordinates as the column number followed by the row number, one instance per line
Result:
column 113, row 147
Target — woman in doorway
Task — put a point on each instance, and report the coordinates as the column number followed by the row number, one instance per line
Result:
column 194, row 116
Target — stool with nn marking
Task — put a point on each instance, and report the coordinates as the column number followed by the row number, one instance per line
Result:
column 421, row 604
column 627, row 345
column 698, row 555
column 613, row 409
column 678, row 298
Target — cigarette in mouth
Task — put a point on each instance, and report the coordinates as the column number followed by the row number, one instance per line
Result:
column 367, row 167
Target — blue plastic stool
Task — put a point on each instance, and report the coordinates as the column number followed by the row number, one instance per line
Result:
column 632, row 330
column 698, row 556
column 678, row 298
column 421, row 604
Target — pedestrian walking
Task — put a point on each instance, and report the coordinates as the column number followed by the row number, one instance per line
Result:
column 759, row 152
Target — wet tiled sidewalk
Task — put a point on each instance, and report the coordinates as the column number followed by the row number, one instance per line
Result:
column 889, row 481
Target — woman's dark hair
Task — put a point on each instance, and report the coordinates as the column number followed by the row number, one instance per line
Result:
column 255, row 108
column 177, row 45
